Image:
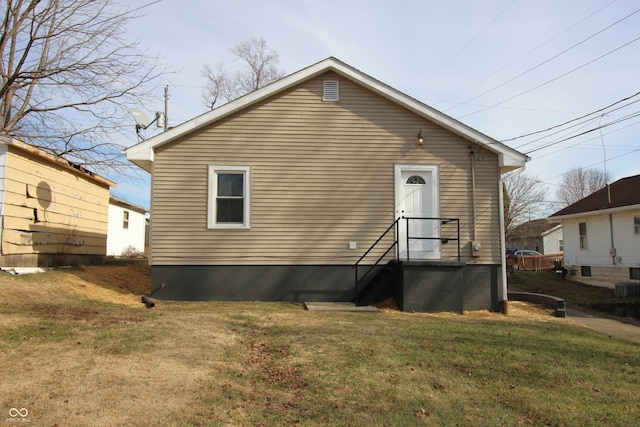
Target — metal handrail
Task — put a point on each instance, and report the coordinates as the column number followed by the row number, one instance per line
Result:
column 395, row 225
column 443, row 221
column 394, row 244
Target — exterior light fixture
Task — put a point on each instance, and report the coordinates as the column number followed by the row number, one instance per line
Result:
column 420, row 138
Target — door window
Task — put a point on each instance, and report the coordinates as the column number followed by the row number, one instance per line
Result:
column 415, row 179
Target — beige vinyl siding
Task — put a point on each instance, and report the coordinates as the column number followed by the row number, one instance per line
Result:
column 322, row 175
column 52, row 209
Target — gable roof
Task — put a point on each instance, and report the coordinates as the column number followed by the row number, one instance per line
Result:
column 623, row 193
column 142, row 154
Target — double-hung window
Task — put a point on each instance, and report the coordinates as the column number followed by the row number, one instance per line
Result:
column 636, row 225
column 582, row 228
column 229, row 197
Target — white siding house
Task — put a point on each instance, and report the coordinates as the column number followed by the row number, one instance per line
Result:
column 539, row 235
column 126, row 228
column 602, row 235
column 552, row 240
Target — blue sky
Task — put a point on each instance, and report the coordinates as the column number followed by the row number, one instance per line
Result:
column 504, row 67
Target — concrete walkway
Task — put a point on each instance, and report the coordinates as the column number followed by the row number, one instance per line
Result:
column 613, row 328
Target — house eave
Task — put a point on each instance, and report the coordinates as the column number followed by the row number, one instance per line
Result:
column 117, row 201
column 604, row 211
column 551, row 230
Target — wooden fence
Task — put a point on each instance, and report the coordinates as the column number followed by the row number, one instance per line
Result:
column 538, row 263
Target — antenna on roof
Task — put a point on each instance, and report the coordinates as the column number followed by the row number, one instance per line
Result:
column 142, row 121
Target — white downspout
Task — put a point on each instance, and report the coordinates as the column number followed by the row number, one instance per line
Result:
column 473, row 197
column 502, row 295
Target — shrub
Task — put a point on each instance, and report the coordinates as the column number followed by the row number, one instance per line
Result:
column 131, row 252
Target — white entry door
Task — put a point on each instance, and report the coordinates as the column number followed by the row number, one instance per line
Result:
column 417, row 197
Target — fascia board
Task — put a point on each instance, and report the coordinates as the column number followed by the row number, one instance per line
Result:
column 510, row 157
column 117, row 201
column 551, row 230
column 596, row 212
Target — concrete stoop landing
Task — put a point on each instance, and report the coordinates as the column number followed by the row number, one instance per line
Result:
column 339, row 306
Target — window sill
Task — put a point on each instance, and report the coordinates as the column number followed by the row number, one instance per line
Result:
column 228, row 227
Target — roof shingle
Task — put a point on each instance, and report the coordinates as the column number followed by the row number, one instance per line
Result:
column 624, row 192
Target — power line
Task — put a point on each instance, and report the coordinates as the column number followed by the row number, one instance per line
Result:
column 636, row 114
column 529, row 52
column 151, row 3
column 589, row 166
column 590, row 139
column 548, row 60
column 581, row 124
column 565, row 131
column 469, row 42
column 573, row 120
column 554, row 79
column 552, row 184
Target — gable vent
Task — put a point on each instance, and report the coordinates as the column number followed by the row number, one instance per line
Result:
column 330, row 90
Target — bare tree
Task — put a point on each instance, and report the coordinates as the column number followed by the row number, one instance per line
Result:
column 578, row 183
column 259, row 68
column 523, row 200
column 69, row 72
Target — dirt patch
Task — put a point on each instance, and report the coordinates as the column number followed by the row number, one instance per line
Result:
column 118, row 284
column 517, row 310
column 132, row 278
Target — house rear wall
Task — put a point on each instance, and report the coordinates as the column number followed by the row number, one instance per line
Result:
column 322, row 175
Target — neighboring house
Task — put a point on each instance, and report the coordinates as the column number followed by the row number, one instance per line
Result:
column 276, row 195
column 552, row 240
column 538, row 235
column 53, row 212
column 602, row 234
column 127, row 228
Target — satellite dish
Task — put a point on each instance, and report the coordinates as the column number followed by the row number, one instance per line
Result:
column 141, row 118
column 143, row 122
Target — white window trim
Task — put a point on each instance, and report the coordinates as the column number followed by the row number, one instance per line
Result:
column 213, row 191
column 633, row 225
column 586, row 235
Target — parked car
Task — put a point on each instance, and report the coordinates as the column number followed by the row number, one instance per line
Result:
column 526, row 252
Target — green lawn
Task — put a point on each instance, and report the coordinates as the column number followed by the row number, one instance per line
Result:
column 75, row 361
